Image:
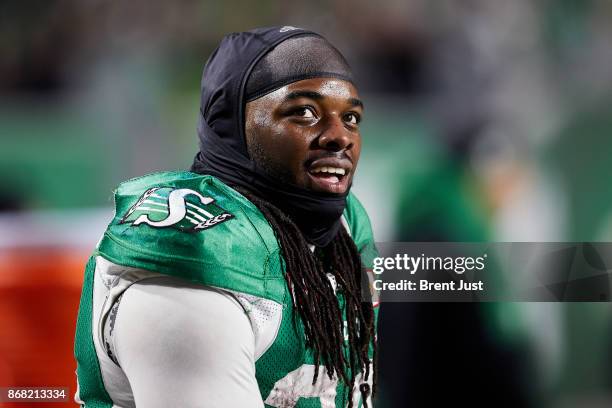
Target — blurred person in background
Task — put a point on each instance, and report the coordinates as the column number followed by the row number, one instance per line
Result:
column 239, row 284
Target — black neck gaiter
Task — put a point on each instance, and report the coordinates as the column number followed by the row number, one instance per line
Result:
column 241, row 69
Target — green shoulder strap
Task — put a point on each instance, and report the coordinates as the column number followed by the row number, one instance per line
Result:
column 361, row 230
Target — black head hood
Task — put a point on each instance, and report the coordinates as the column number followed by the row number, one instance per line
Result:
column 223, row 151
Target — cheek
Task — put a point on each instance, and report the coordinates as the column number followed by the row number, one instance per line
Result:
column 284, row 149
column 357, row 151
column 289, row 146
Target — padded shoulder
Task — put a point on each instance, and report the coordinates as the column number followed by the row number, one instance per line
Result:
column 194, row 227
column 361, row 229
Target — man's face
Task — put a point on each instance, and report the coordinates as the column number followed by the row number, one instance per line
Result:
column 307, row 133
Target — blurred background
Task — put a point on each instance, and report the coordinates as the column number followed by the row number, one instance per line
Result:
column 486, row 120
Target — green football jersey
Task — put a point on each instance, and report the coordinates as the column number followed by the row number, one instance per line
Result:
column 195, row 227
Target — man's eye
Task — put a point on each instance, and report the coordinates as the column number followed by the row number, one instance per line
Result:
column 352, row 118
column 304, row 112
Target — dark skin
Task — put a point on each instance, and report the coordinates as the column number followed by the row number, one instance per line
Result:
column 307, row 133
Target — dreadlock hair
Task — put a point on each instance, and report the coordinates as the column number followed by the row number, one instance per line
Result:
column 316, row 303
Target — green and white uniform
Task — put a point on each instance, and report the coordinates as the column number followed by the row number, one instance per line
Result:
column 195, row 229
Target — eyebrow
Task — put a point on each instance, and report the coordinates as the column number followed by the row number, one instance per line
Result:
column 317, row 96
column 356, row 102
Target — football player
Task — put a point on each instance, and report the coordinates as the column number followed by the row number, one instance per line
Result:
column 238, row 283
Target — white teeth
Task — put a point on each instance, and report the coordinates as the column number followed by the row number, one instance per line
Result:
column 331, row 170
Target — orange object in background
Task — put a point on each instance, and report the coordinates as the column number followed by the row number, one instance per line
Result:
column 39, row 299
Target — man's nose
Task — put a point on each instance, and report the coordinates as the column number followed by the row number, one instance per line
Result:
column 335, row 136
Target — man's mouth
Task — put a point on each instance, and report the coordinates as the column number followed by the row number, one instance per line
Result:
column 330, row 175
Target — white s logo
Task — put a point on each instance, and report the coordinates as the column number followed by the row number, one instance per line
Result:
column 177, row 209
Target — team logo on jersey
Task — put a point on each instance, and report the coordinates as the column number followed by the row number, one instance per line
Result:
column 182, row 208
